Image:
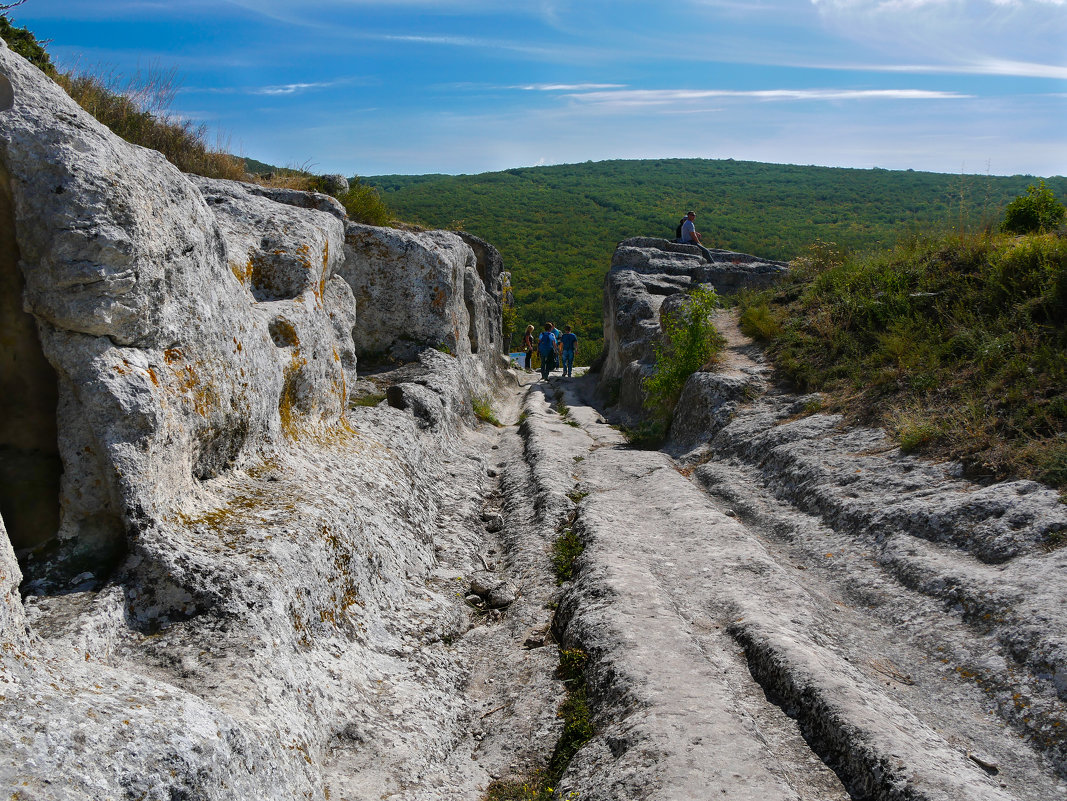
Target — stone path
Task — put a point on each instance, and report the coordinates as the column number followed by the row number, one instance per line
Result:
column 741, row 648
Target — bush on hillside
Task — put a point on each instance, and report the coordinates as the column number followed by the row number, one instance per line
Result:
column 957, row 345
column 364, row 204
column 1036, row 211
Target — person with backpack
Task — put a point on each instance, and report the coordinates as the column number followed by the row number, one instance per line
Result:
column 546, row 349
column 568, row 342
column 687, row 234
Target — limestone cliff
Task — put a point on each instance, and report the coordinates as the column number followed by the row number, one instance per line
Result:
column 221, row 558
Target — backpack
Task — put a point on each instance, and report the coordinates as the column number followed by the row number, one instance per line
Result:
column 547, row 341
column 678, row 229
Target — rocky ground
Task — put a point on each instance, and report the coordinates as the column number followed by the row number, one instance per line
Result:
column 794, row 610
column 785, row 609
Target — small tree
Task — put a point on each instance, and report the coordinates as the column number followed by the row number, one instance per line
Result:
column 1037, row 210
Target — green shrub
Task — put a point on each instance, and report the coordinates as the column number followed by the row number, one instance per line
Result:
column 363, row 204
column 1038, row 210
column 689, row 342
column 23, row 42
column 565, row 551
column 482, row 407
column 758, row 321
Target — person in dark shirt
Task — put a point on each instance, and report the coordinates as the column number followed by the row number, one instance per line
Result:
column 546, row 349
column 567, row 344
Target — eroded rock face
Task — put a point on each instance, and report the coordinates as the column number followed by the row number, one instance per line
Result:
column 646, row 272
column 12, row 616
column 433, row 289
column 241, row 559
column 186, row 338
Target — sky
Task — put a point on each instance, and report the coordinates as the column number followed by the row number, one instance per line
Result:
column 369, row 87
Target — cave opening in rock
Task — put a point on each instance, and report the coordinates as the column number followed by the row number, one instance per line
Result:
column 30, row 465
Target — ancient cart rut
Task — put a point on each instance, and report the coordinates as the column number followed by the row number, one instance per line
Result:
column 741, row 648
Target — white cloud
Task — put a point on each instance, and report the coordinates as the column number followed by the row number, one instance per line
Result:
column 993, row 66
column 278, row 89
column 633, row 98
column 567, row 87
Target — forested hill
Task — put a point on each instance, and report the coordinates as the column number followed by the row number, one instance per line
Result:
column 557, row 226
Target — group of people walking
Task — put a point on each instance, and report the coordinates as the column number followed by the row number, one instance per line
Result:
column 554, row 347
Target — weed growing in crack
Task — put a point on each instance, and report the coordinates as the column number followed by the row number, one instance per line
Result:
column 566, row 549
column 483, row 410
column 565, row 414
column 577, row 731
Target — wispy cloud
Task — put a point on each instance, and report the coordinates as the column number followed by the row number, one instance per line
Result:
column 461, row 41
column 567, row 87
column 278, row 89
column 1020, row 69
column 631, row 98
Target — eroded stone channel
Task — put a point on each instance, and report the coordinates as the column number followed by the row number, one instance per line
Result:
column 743, row 646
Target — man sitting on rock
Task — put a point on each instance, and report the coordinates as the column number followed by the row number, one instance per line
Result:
column 690, row 235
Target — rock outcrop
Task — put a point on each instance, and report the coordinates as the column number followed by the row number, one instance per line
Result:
column 434, row 289
column 242, row 564
column 644, row 273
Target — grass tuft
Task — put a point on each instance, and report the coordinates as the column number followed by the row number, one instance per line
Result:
column 483, row 410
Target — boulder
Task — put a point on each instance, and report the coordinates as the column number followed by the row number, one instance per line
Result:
column 334, row 184
column 190, row 324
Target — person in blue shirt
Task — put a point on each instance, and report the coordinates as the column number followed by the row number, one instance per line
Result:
column 568, row 341
column 546, row 349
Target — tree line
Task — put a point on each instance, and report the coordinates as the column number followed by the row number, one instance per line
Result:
column 557, row 226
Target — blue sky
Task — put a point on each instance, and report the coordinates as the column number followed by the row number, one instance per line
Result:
column 464, row 86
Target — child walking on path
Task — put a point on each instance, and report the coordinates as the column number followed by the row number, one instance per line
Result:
column 568, row 341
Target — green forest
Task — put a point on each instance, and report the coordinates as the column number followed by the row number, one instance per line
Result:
column 557, row 226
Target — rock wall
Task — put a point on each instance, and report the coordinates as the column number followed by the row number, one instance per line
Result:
column 239, row 557
column 434, row 289
column 644, row 273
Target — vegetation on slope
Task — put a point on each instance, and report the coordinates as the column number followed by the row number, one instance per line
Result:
column 956, row 345
column 557, row 226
